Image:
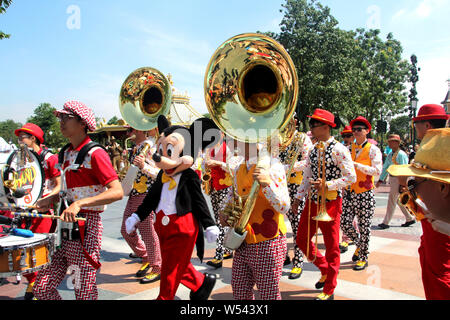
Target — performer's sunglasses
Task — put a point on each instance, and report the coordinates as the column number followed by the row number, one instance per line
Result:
column 358, row 129
column 347, row 135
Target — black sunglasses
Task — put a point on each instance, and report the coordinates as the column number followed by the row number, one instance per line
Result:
column 347, row 135
column 358, row 129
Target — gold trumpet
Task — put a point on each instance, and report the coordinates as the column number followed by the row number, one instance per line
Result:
column 322, row 214
column 407, row 201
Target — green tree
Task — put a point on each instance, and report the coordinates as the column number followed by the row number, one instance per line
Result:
column 43, row 117
column 7, row 128
column 383, row 74
column 4, row 4
column 324, row 57
column 400, row 125
column 113, row 120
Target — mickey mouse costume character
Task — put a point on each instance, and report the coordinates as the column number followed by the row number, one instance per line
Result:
column 181, row 211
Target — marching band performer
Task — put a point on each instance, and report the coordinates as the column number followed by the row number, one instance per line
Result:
column 339, row 173
column 360, row 199
column 145, row 245
column 293, row 183
column 259, row 260
column 220, row 181
column 432, row 189
column 33, row 137
column 89, row 189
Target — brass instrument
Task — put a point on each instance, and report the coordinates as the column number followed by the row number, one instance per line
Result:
column 206, row 177
column 144, row 96
column 322, row 214
column 407, row 201
column 251, row 90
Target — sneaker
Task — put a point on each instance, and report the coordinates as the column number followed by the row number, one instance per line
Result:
column 343, row 246
column 216, row 263
column 356, row 255
column 295, row 273
column 152, row 277
column 321, row 283
column 360, row 265
column 324, row 296
column 143, row 270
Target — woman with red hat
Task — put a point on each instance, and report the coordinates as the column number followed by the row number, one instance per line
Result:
column 33, row 137
column 339, row 173
column 360, row 200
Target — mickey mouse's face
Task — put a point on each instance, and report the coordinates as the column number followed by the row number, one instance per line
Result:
column 178, row 146
column 169, row 154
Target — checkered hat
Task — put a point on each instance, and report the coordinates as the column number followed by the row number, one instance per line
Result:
column 80, row 109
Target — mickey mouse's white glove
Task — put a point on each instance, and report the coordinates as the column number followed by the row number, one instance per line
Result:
column 131, row 222
column 212, row 233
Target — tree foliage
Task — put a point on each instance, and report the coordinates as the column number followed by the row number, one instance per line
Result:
column 4, row 4
column 43, row 117
column 349, row 73
column 7, row 128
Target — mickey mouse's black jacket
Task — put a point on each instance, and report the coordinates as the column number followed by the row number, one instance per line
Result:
column 189, row 198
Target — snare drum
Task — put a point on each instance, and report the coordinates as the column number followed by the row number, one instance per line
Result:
column 20, row 255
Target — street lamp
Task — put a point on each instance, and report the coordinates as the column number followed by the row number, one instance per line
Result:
column 413, row 114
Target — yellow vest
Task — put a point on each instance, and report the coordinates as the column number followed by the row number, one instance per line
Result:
column 363, row 182
column 265, row 222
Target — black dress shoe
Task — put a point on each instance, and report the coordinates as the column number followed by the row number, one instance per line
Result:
column 383, row 226
column 133, row 256
column 215, row 263
column 205, row 289
column 408, row 223
column 143, row 270
column 152, row 277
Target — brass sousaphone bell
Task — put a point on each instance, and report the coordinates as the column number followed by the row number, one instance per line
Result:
column 251, row 91
column 145, row 94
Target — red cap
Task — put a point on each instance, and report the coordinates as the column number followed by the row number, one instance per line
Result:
column 431, row 112
column 323, row 116
column 363, row 120
column 33, row 129
column 347, row 129
column 394, row 137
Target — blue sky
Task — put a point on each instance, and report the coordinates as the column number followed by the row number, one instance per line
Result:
column 84, row 49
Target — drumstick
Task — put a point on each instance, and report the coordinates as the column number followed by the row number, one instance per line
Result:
column 34, row 214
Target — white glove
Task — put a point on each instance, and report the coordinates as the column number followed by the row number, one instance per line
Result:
column 131, row 222
column 212, row 233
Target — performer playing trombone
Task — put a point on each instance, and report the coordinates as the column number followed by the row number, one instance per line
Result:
column 329, row 169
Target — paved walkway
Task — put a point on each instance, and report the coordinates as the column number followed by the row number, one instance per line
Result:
column 393, row 272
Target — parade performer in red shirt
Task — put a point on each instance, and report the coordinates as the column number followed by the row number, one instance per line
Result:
column 33, row 137
column 87, row 190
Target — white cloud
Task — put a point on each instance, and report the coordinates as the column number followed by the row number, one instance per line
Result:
column 424, row 10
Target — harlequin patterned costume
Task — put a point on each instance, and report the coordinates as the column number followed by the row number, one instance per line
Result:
column 145, row 244
column 259, row 260
column 340, row 173
column 360, row 200
column 90, row 180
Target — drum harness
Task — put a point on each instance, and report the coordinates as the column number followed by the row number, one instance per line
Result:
column 73, row 230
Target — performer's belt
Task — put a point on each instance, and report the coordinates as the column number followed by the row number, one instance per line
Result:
column 71, row 230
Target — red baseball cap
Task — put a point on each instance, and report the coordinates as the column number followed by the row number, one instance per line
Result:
column 347, row 129
column 323, row 116
column 80, row 109
column 363, row 120
column 33, row 129
column 431, row 112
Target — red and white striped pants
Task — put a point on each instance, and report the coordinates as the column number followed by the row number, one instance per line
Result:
column 260, row 264
column 146, row 243
column 71, row 257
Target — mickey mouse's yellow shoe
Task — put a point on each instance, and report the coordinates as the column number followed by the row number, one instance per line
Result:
column 343, row 246
column 324, row 296
column 152, row 277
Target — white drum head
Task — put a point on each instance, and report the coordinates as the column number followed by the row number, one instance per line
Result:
column 14, row 241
